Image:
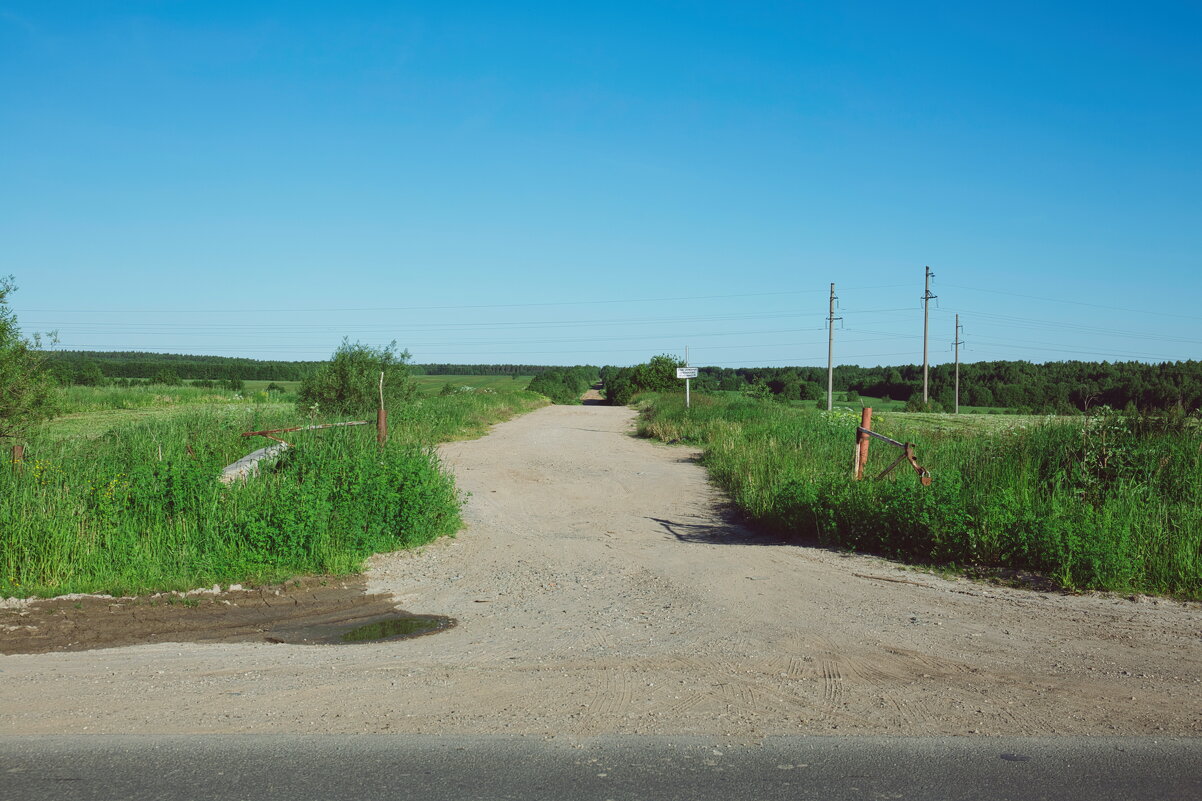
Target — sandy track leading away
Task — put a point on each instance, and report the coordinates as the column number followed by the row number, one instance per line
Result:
column 601, row 588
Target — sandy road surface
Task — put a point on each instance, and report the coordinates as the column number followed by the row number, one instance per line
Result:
column 599, row 589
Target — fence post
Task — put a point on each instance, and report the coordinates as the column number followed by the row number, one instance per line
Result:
column 381, row 417
column 18, row 457
column 862, row 441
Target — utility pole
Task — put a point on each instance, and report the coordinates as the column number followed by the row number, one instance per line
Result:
column 956, row 343
column 830, row 353
column 926, row 304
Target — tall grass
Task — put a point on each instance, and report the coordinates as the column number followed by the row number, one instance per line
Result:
column 75, row 399
column 1105, row 502
column 139, row 508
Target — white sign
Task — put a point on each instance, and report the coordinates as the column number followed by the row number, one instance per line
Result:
column 686, row 372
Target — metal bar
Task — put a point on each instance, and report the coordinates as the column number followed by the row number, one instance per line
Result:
column 881, row 437
column 924, row 477
column 888, row 469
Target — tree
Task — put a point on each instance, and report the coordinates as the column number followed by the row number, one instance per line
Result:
column 348, row 384
column 167, row 377
column 27, row 390
column 89, row 375
column 658, row 375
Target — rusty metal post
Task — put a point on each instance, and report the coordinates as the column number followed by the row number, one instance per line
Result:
column 18, row 457
column 864, row 439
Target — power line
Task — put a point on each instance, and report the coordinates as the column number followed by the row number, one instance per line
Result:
column 440, row 325
column 1073, row 302
column 446, row 308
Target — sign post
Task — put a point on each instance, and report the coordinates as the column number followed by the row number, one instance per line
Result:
column 686, row 373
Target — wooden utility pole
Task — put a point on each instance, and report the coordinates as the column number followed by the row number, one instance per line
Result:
column 926, row 304
column 956, row 343
column 830, row 353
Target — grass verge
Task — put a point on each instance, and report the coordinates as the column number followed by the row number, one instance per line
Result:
column 135, row 506
column 1106, row 502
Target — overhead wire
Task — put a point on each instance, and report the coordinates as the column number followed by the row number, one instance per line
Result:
column 453, row 307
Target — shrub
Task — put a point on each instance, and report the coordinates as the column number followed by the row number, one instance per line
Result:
column 348, row 384
column 27, row 389
column 564, row 385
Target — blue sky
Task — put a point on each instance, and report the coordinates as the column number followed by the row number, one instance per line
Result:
column 598, row 183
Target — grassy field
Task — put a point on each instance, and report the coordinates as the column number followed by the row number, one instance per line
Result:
column 434, row 384
column 127, row 500
column 1102, row 502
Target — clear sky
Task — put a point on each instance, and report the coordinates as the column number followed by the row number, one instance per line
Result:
column 563, row 182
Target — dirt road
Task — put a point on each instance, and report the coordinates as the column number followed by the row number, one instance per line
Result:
column 599, row 588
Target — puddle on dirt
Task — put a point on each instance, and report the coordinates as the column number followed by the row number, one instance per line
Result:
column 398, row 628
column 313, row 610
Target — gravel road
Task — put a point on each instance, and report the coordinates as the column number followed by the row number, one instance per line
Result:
column 600, row 587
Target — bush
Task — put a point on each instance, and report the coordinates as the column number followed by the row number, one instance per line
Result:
column 564, row 386
column 348, row 384
column 916, row 404
column 27, row 389
column 621, row 384
column 167, row 378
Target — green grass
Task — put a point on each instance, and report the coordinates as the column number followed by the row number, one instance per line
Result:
column 127, row 501
column 1107, row 502
column 434, row 384
column 90, row 399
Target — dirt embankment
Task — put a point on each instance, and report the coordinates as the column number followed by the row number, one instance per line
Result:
column 600, row 587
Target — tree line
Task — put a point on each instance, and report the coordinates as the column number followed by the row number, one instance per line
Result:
column 91, row 368
column 1051, row 387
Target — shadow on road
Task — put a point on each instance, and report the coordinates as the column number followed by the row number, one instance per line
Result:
column 724, row 532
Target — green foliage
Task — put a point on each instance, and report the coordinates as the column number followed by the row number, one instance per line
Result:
column 89, row 375
column 565, row 385
column 135, row 510
column 621, row 384
column 135, row 506
column 167, row 377
column 348, row 384
column 917, row 404
column 136, row 364
column 1107, row 501
column 27, row 390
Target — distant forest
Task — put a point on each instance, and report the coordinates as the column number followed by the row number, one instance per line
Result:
column 92, row 367
column 1059, row 387
column 1052, row 387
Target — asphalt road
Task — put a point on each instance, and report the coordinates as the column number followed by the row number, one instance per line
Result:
column 368, row 767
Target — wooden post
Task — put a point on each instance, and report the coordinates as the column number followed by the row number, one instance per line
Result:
column 862, row 441
column 18, row 457
column 381, row 416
